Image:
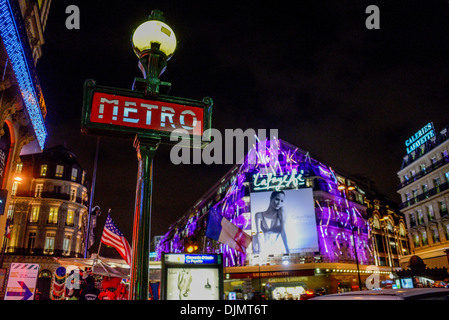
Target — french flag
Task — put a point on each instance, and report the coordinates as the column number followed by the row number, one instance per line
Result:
column 221, row 229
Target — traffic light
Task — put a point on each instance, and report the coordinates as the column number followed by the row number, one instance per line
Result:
column 191, row 246
column 3, row 197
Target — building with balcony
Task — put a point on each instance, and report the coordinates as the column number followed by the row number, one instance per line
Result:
column 424, row 189
column 48, row 212
column 49, row 209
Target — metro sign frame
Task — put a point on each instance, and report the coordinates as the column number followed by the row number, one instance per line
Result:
column 125, row 113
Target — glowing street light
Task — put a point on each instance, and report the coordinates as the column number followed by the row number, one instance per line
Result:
column 154, row 43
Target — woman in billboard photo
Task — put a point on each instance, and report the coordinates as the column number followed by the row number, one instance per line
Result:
column 270, row 227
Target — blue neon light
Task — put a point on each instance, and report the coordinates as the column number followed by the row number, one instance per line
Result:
column 16, row 53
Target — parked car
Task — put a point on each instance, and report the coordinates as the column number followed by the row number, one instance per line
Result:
column 390, row 294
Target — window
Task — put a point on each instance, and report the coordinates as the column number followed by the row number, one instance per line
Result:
column 423, row 167
column 57, row 189
column 402, row 232
column 430, row 213
column 19, row 167
column 74, row 174
column 59, row 171
column 435, row 236
column 72, row 194
column 420, row 217
column 53, row 215
column 34, row 217
column 38, row 190
column 10, row 212
column 31, row 241
column 416, row 240
column 43, row 170
column 70, row 217
column 424, row 238
column 14, row 188
column 83, row 177
column 412, row 220
column 376, row 223
column 66, row 245
column 425, row 187
column 443, row 208
column 49, row 243
column 415, row 193
column 389, row 226
column 436, row 182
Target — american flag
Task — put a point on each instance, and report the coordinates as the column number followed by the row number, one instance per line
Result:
column 114, row 238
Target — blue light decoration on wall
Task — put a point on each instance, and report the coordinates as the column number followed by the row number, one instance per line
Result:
column 14, row 37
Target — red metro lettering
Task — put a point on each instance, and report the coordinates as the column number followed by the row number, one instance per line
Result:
column 145, row 114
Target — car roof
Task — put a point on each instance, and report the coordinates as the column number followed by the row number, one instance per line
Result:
column 386, row 294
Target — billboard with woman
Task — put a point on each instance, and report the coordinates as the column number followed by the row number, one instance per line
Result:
column 283, row 222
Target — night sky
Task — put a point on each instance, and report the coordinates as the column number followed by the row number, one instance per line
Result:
column 311, row 69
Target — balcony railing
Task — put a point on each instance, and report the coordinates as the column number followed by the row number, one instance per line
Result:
column 425, row 195
column 434, row 166
column 51, row 195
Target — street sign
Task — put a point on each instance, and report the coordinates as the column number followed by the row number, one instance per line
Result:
column 21, row 281
column 125, row 113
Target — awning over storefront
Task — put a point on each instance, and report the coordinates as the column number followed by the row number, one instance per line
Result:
column 100, row 265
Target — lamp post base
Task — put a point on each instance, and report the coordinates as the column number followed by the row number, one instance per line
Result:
column 146, row 148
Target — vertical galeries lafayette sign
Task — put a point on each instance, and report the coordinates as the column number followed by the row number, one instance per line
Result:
column 112, row 111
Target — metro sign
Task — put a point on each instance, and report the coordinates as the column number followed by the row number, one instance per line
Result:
column 121, row 112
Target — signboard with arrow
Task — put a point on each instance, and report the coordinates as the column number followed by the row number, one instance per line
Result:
column 22, row 281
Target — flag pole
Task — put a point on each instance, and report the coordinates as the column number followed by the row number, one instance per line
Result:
column 2, row 258
column 91, row 199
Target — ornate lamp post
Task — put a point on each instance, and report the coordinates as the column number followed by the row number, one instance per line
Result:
column 138, row 114
column 154, row 43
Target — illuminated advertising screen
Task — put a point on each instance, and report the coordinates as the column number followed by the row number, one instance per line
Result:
column 192, row 277
column 283, row 222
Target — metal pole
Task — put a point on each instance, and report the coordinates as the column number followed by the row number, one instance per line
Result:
column 146, row 148
column 2, row 258
column 91, row 199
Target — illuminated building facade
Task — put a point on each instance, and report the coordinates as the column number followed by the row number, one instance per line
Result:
column 22, row 103
column 424, row 189
column 48, row 211
column 325, row 227
column 388, row 233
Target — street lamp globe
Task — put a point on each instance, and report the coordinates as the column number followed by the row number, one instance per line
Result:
column 154, row 43
column 154, row 35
